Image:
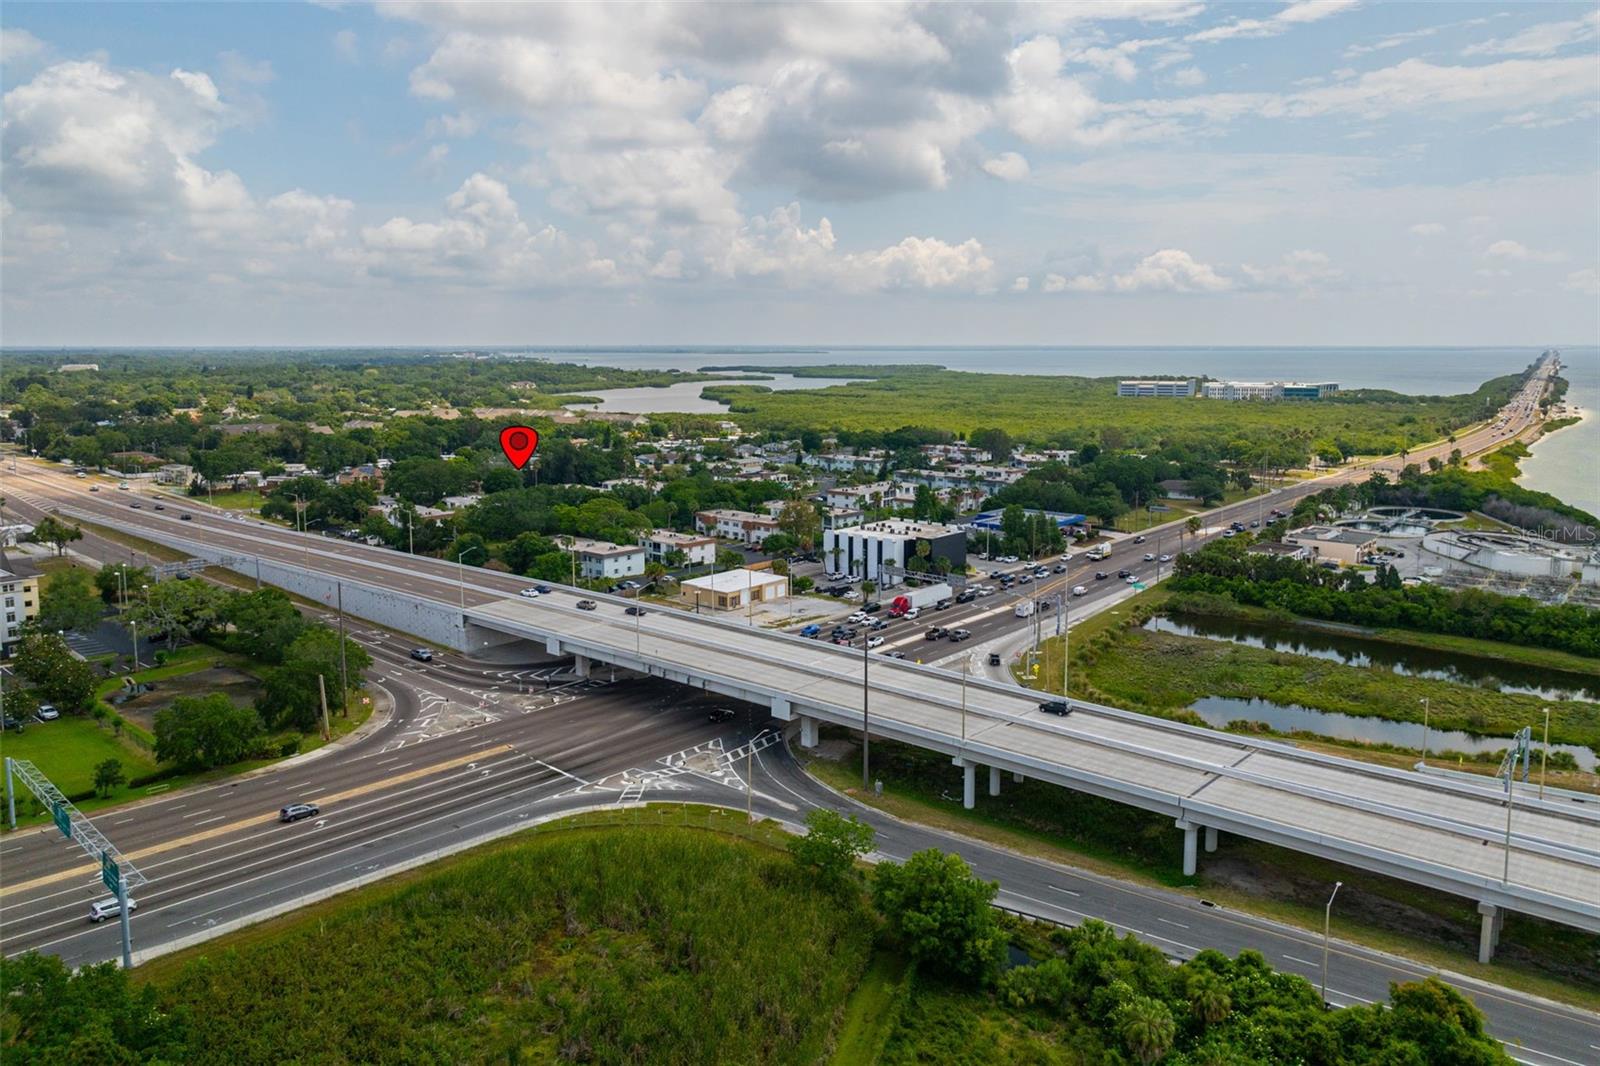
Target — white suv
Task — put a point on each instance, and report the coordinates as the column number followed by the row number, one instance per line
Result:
column 101, row 909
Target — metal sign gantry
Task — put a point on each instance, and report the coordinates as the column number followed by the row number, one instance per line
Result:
column 116, row 872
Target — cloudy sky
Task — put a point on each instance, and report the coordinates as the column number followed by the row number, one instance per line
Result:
column 1313, row 172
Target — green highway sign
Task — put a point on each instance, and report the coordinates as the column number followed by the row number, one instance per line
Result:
column 1138, row 586
column 110, row 875
column 58, row 811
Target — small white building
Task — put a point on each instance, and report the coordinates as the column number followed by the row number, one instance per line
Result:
column 19, row 598
column 659, row 543
column 859, row 496
column 1333, row 544
column 734, row 590
column 601, row 559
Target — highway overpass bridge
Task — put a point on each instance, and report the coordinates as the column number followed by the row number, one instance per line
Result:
column 1446, row 834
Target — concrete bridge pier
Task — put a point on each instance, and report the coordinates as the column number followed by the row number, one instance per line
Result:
column 1016, row 777
column 808, row 731
column 1494, row 920
column 994, row 780
column 1191, row 847
column 1211, row 838
column 580, row 665
column 969, row 783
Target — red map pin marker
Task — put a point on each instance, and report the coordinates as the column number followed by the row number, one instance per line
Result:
column 519, row 442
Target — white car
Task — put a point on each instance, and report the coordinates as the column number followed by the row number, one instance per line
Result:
column 857, row 617
column 1166, row 558
column 1080, row 590
column 852, row 595
column 913, row 612
column 101, row 909
column 529, row 593
column 1133, row 579
column 1149, row 557
column 873, row 642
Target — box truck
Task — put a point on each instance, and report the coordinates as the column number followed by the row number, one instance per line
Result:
column 919, row 598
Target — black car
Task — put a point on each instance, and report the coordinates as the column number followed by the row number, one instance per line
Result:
column 1061, row 708
column 587, row 605
column 422, row 655
column 186, row 518
column 296, row 811
column 135, row 506
column 1059, row 568
column 943, row 605
column 994, row 658
column 934, row 633
column 966, row 597
column 721, row 714
column 1139, row 539
column 636, row 610
column 161, row 507
column 1124, row 574
column 543, row 590
column 872, row 606
column 1100, row 575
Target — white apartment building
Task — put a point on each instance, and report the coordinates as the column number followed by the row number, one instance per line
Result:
column 858, row 496
column 1269, row 390
column 746, row 527
column 603, row 559
column 19, row 599
column 659, row 543
column 841, row 463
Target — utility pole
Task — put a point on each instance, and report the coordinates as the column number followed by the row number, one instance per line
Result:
column 1327, row 918
column 344, row 675
column 750, row 784
column 322, row 690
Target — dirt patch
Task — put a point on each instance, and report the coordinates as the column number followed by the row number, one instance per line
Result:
column 237, row 685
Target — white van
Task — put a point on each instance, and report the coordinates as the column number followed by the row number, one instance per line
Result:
column 101, row 909
column 1080, row 590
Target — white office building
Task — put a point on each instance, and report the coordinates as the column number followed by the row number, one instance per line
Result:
column 879, row 551
column 1269, row 390
column 19, row 598
column 1156, row 387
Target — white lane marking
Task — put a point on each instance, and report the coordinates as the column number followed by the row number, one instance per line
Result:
column 1068, row 891
column 312, row 791
column 1169, row 921
column 1296, row 958
column 207, row 821
column 202, row 810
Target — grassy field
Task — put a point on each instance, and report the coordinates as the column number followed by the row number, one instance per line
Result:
column 660, row 945
column 68, row 749
column 1040, row 408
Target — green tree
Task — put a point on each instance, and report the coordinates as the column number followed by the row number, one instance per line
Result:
column 107, row 776
column 1146, row 1027
column 178, row 610
column 206, row 731
column 265, row 622
column 69, row 601
column 50, row 1014
column 63, row 678
column 832, row 845
column 941, row 914
column 113, row 580
column 997, row 442
column 800, row 520
column 317, row 648
column 56, row 533
column 728, row 560
column 291, row 697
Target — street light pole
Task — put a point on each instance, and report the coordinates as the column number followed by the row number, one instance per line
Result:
column 1424, row 731
column 866, row 727
column 1544, row 752
column 461, row 573
column 1327, row 918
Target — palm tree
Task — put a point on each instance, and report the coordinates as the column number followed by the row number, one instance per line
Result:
column 1147, row 1028
column 1208, row 998
column 1192, row 527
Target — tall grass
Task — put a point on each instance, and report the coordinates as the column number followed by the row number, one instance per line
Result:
column 627, row 946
